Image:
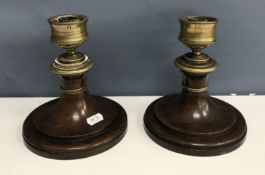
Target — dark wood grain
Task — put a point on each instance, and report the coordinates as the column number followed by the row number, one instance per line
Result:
column 58, row 129
column 195, row 123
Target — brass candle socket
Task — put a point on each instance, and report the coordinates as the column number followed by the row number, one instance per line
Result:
column 197, row 32
column 77, row 124
column 193, row 122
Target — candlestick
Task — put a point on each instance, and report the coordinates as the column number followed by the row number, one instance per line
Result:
column 192, row 122
column 77, row 124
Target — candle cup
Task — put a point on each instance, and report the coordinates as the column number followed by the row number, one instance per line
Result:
column 197, row 32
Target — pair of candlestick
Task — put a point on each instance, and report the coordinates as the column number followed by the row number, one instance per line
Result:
column 78, row 125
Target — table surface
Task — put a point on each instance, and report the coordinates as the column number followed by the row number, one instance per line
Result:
column 136, row 153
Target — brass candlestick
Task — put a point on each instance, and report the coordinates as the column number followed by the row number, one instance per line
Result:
column 77, row 124
column 193, row 122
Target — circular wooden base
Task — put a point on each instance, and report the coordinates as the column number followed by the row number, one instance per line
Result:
column 77, row 146
column 192, row 135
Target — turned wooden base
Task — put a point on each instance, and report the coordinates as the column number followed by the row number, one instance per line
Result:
column 195, row 124
column 49, row 138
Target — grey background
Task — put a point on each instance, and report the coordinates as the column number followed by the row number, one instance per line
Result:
column 134, row 44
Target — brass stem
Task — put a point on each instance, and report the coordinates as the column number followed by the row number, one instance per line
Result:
column 71, row 51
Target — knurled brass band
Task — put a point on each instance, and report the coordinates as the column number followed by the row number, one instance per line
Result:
column 195, row 90
column 74, row 91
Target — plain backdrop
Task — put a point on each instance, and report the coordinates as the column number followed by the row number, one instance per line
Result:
column 134, row 44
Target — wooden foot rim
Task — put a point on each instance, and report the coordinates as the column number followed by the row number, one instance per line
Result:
column 77, row 146
column 178, row 137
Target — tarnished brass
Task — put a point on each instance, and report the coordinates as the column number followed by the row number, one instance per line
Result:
column 193, row 122
column 70, row 32
column 197, row 32
column 59, row 128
